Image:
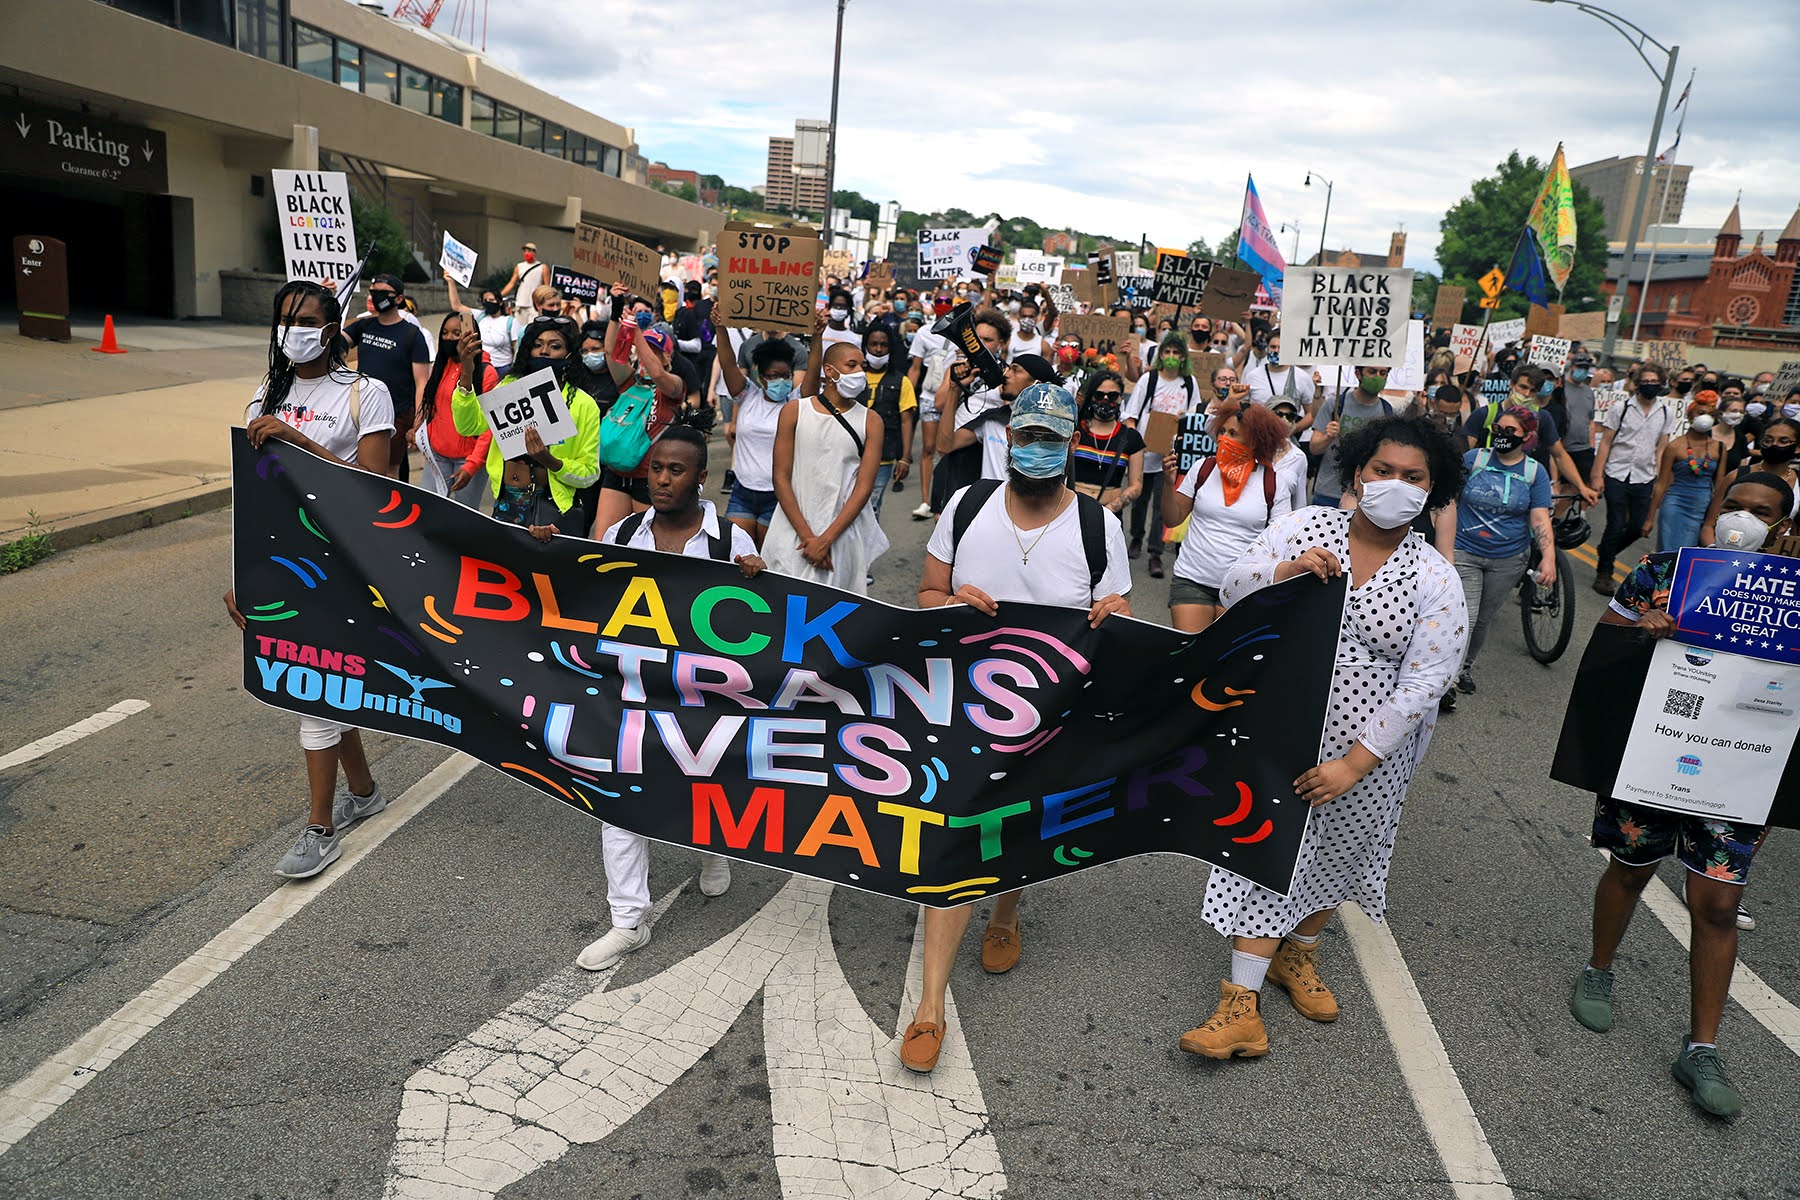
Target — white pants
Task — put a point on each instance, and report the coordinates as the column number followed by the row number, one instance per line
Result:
column 627, row 858
column 316, row 733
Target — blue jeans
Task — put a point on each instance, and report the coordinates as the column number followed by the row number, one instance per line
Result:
column 884, row 475
column 1486, row 583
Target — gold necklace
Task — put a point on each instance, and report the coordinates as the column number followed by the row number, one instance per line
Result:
column 1024, row 550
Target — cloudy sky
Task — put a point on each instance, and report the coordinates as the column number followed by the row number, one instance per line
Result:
column 1150, row 125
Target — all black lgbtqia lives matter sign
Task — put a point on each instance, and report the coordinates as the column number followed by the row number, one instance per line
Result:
column 930, row 755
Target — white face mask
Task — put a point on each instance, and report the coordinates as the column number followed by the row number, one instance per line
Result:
column 1702, row 424
column 1732, row 418
column 840, row 315
column 302, row 343
column 1391, row 503
column 1739, row 531
column 878, row 361
column 852, row 384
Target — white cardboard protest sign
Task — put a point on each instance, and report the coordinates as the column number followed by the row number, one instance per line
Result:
column 1346, row 316
column 945, row 253
column 1125, row 262
column 1550, row 352
column 1786, row 380
column 1465, row 342
column 1039, row 268
column 1502, row 332
column 318, row 239
column 514, row 407
column 1409, row 376
column 458, row 260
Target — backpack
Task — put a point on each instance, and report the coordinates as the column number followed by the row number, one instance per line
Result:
column 1092, row 516
column 1484, row 462
column 718, row 548
column 1268, row 473
column 625, row 439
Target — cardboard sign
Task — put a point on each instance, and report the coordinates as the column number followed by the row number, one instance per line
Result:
column 1606, row 396
column 1193, row 442
column 1582, row 327
column 1544, row 320
column 1159, row 432
column 613, row 257
column 1465, row 341
column 574, row 285
column 1039, row 268
column 457, row 259
column 318, row 240
column 1502, row 332
column 1549, row 352
column 1229, row 294
column 1134, row 290
column 1670, row 356
column 1180, row 280
column 903, row 261
column 535, row 400
column 1063, row 295
column 1449, row 307
column 1125, row 262
column 1103, row 267
column 837, row 262
column 1101, row 334
column 881, row 274
column 1203, row 363
column 948, row 253
column 1785, row 381
column 1084, row 288
column 768, row 278
column 1409, row 376
column 1345, row 316
column 985, row 260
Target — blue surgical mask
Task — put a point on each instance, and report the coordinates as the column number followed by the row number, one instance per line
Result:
column 593, row 360
column 899, row 306
column 1041, row 460
column 1580, row 374
column 1790, row 410
column 778, row 390
column 1274, row 358
column 1546, row 387
column 1432, row 391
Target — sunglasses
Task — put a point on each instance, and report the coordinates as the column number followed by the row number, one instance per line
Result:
column 1032, row 436
column 1103, row 395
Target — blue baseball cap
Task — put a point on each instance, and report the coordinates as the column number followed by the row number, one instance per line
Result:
column 1045, row 406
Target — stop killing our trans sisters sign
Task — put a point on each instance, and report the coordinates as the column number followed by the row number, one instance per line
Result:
column 931, row 755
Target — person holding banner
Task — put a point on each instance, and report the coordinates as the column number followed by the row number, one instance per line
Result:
column 1717, row 854
column 312, row 400
column 827, row 455
column 453, row 461
column 520, row 485
column 1228, row 499
column 1404, row 628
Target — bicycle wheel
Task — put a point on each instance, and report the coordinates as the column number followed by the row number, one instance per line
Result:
column 1549, row 613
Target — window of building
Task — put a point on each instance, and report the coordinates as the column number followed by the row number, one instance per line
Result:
column 609, row 162
column 312, row 51
column 349, row 65
column 259, row 26
column 506, row 123
column 381, row 77
column 531, row 132
column 446, row 101
column 481, row 114
column 556, row 140
column 415, row 90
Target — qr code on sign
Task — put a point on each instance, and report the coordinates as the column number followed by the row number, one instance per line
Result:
column 1682, row 704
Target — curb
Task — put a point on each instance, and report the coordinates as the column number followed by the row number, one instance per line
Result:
column 211, row 500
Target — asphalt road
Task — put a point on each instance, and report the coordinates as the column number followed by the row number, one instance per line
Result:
column 417, row 1026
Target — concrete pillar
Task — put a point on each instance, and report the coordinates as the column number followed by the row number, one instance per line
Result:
column 303, row 153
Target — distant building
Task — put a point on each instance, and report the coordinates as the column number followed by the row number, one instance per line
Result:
column 1614, row 183
column 796, row 173
column 1747, row 300
column 1059, row 243
column 1395, row 256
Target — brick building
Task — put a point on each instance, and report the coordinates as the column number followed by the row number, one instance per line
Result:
column 1737, row 298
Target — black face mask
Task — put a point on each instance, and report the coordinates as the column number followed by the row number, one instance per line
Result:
column 532, row 364
column 383, row 301
column 1777, row 456
column 1505, row 441
column 491, row 307
column 1103, row 411
column 1650, row 391
column 447, row 345
column 1683, row 386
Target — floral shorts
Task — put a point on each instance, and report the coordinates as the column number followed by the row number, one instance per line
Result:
column 1638, row 836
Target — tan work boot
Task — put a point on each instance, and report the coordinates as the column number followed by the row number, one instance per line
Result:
column 1235, row 1029
column 1295, row 971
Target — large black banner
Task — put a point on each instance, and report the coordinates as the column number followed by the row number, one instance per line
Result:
column 930, row 755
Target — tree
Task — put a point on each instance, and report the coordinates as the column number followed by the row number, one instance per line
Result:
column 854, row 203
column 1199, row 249
column 1481, row 230
column 1227, row 251
column 392, row 253
column 1424, row 297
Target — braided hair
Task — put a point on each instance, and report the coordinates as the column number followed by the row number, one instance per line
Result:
column 288, row 302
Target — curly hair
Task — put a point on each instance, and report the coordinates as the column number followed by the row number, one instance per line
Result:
column 1263, row 431
column 994, row 317
column 1177, row 344
column 1442, row 460
column 770, row 351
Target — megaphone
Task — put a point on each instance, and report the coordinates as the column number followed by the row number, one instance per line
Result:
column 958, row 325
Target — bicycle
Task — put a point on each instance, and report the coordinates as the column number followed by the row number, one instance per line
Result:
column 1548, row 613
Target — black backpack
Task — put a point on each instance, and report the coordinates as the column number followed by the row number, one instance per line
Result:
column 718, row 547
column 1092, row 516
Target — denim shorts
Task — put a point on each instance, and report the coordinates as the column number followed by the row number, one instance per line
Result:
column 1186, row 591
column 751, row 505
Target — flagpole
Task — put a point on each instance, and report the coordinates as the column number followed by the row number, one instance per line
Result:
column 1237, row 247
column 1656, row 237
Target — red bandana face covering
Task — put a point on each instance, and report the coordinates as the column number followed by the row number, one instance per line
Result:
column 1235, row 464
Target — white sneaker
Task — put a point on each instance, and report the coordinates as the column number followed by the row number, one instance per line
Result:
column 615, row 945
column 1744, row 919
column 923, row 512
column 715, row 875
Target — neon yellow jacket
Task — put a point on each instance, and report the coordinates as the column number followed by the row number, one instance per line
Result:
column 580, row 454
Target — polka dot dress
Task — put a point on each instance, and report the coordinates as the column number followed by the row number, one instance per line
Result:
column 1402, row 638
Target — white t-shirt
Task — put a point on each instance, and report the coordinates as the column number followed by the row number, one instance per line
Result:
column 842, row 335
column 1268, row 384
column 992, row 433
column 532, row 276
column 320, row 408
column 753, row 455
column 1218, row 533
column 498, row 336
column 1036, row 344
column 698, row 546
column 928, row 348
column 989, row 556
column 1290, row 473
column 1170, row 396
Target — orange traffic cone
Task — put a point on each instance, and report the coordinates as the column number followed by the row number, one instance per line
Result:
column 109, row 341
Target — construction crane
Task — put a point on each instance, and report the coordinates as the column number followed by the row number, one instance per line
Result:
column 463, row 17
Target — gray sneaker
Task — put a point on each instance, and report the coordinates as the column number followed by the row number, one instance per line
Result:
column 349, row 808
column 1701, row 1071
column 313, row 852
column 1592, row 1001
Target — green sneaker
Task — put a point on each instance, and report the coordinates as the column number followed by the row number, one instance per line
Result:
column 1701, row 1071
column 1592, row 1001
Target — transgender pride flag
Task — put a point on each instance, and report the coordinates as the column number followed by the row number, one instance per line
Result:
column 1256, row 242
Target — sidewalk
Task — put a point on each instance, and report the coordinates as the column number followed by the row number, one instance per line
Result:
column 99, row 444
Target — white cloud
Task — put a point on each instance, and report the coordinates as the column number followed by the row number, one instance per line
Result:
column 1148, row 122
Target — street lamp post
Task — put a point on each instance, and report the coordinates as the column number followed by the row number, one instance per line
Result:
column 837, row 62
column 1638, row 40
column 1326, row 220
column 1293, row 227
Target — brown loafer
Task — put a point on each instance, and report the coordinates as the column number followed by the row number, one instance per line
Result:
column 920, row 1048
column 1000, row 949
